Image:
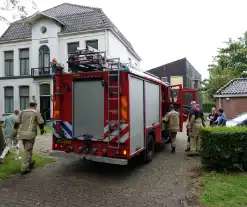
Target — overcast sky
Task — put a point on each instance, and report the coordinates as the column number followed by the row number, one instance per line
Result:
column 162, row 31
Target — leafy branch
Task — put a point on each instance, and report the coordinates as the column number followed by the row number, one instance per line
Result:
column 229, row 63
column 14, row 7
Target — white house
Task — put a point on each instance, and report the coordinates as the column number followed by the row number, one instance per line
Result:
column 28, row 45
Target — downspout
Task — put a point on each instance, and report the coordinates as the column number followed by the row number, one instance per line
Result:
column 219, row 102
column 106, row 43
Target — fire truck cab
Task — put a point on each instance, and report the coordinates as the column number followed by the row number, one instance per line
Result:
column 108, row 112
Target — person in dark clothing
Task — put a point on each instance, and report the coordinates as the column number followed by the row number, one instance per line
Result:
column 212, row 117
column 200, row 114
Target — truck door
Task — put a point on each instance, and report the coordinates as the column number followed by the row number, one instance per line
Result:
column 175, row 97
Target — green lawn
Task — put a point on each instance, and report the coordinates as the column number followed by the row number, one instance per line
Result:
column 224, row 190
column 12, row 166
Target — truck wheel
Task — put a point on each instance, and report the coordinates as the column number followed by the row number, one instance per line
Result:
column 150, row 149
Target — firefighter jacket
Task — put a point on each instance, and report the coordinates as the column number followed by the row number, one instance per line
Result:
column 172, row 118
column 195, row 122
column 28, row 121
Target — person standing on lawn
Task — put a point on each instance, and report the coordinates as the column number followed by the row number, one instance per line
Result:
column 27, row 124
column 9, row 136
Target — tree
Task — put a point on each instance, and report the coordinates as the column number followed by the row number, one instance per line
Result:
column 14, row 9
column 229, row 63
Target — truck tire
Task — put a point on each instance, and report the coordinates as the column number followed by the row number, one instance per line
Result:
column 150, row 149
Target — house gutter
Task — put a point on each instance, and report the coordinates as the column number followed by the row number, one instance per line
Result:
column 15, row 40
column 61, row 34
column 230, row 95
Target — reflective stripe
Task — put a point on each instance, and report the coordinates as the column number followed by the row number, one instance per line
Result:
column 124, row 107
column 123, row 137
column 66, row 128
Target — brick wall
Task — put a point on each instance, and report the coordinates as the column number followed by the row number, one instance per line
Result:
column 233, row 106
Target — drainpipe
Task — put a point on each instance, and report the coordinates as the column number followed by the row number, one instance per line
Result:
column 106, row 43
column 219, row 102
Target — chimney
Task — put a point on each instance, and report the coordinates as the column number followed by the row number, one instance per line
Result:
column 196, row 84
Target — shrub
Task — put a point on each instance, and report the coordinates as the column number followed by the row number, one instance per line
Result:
column 207, row 107
column 224, row 147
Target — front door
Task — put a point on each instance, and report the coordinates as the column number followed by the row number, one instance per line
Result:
column 45, row 107
column 45, row 101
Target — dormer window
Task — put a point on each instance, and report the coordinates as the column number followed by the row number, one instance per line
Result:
column 43, row 29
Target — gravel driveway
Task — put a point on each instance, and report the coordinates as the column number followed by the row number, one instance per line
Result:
column 71, row 182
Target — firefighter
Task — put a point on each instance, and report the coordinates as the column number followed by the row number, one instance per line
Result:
column 193, row 103
column 10, row 136
column 172, row 119
column 194, row 125
column 28, row 121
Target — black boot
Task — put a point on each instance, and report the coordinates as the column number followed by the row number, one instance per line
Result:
column 32, row 164
column 173, row 149
column 23, row 172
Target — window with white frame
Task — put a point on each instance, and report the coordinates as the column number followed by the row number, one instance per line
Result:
column 24, row 97
column 72, row 47
column 9, row 63
column 24, row 61
column 8, row 99
column 93, row 43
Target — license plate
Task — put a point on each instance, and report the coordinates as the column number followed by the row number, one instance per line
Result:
column 63, row 141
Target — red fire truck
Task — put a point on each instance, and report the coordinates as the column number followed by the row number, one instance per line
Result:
column 108, row 112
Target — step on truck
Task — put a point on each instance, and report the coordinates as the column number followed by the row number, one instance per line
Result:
column 108, row 112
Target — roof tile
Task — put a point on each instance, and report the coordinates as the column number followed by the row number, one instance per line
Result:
column 235, row 86
column 75, row 18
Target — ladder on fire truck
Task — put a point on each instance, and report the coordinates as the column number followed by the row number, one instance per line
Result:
column 90, row 59
column 115, row 67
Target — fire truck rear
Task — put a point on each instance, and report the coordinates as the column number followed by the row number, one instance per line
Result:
column 108, row 112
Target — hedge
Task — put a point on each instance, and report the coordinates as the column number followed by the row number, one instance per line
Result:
column 224, row 147
column 207, row 107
